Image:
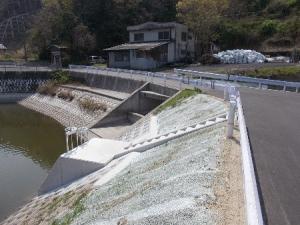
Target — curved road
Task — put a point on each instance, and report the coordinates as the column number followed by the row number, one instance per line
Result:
column 273, row 122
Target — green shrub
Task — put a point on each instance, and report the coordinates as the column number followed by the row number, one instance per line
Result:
column 268, row 28
column 280, row 7
column 61, row 77
column 238, row 34
column 290, row 28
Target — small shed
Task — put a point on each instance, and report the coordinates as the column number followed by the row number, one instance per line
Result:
column 57, row 55
column 2, row 49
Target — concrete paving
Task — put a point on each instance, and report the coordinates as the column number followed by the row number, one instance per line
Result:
column 272, row 119
column 106, row 93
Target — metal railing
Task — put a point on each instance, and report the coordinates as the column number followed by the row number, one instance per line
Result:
column 22, row 68
column 259, row 82
column 150, row 76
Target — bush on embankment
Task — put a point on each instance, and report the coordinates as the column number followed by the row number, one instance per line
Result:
column 51, row 87
column 91, row 105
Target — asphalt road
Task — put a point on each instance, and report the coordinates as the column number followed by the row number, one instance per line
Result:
column 273, row 122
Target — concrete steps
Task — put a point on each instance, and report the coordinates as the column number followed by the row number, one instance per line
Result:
column 98, row 153
column 161, row 139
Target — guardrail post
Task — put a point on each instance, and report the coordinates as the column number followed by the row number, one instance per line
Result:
column 297, row 89
column 165, row 80
column 259, row 85
column 212, row 84
column 226, row 94
column 230, row 121
column 284, row 86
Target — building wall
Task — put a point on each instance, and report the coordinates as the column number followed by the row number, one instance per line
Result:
column 152, row 35
column 176, row 46
column 142, row 63
column 116, row 64
column 181, row 45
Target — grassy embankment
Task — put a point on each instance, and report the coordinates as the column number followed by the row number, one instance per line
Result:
column 173, row 102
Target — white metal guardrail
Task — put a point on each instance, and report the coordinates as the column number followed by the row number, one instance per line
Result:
column 251, row 196
column 242, row 79
column 198, row 78
column 21, row 68
column 253, row 207
column 214, row 84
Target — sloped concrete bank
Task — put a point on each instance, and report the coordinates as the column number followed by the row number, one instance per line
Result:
column 195, row 179
column 66, row 112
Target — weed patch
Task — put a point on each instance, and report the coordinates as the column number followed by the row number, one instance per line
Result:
column 49, row 88
column 171, row 103
column 91, row 105
column 66, row 95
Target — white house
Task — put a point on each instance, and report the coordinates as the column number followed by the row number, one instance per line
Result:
column 152, row 45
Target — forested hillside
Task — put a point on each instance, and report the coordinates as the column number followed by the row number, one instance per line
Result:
column 9, row 8
column 86, row 27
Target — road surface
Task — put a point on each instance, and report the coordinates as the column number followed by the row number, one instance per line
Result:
column 273, row 122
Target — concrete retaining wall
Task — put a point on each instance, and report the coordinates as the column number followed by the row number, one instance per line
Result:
column 136, row 103
column 108, row 82
column 66, row 170
column 12, row 98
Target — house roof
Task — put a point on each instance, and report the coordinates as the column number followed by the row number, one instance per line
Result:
column 2, row 47
column 147, row 46
column 153, row 25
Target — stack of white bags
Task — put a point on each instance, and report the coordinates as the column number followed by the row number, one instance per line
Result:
column 240, row 56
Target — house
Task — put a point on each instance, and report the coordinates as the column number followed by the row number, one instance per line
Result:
column 152, row 45
column 2, row 49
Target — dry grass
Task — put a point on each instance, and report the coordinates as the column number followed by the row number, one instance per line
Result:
column 91, row 105
column 66, row 95
column 48, row 88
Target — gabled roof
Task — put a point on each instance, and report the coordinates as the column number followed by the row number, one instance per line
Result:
column 147, row 46
column 153, row 25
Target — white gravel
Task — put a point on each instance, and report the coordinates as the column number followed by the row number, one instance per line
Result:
column 170, row 184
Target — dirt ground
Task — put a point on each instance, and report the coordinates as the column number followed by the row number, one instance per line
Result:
column 229, row 189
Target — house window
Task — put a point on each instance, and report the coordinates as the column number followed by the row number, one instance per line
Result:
column 139, row 55
column 183, row 52
column 122, row 56
column 139, row 37
column 164, row 35
column 183, row 36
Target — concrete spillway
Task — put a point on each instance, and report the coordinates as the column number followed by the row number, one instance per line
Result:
column 81, row 161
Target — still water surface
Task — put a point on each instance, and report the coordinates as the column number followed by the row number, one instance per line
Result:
column 29, row 145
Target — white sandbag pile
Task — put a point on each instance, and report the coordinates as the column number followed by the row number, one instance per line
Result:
column 279, row 59
column 240, row 56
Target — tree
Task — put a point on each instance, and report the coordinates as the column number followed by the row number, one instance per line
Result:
column 83, row 41
column 202, row 17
